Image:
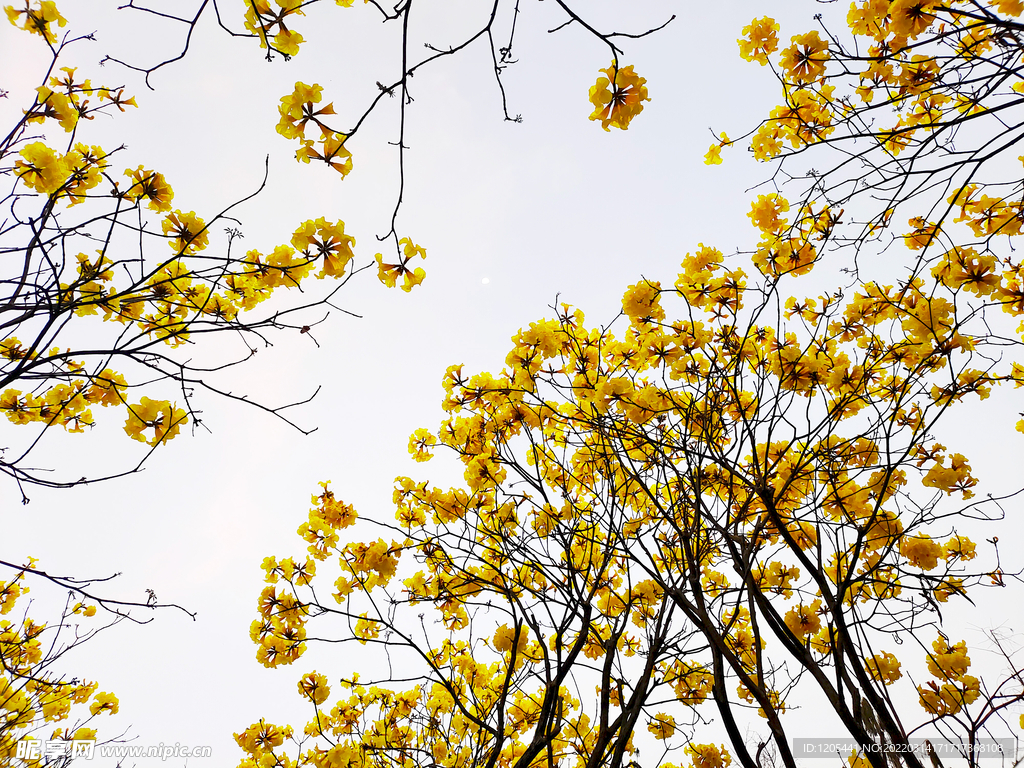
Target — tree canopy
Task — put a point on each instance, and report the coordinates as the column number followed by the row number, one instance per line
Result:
column 721, row 510
column 673, row 527
column 111, row 289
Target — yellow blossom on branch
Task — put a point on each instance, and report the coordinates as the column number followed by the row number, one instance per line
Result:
column 38, row 18
column 618, row 97
column 390, row 274
column 760, row 39
column 158, row 415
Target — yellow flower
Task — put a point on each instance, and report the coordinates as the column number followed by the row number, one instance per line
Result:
column 186, row 232
column 959, row 548
column 949, row 587
column 954, row 477
column 691, row 682
column 262, row 21
column 41, row 169
column 152, row 186
column 505, row 637
column 297, row 109
column 709, row 756
column 320, row 239
column 618, row 97
column 949, row 698
column 714, row 155
column 104, row 702
column 333, row 152
column 9, row 594
column 262, row 737
column 366, row 629
column 909, row 18
column 285, row 267
column 38, row 19
column 884, row 667
column 760, row 39
column 287, row 42
column 86, row 610
column 420, row 444
column 662, row 726
column 923, row 234
column 159, row 415
column 803, row 620
column 54, row 105
column 948, row 662
column 805, row 59
column 390, row 273
column 641, row 302
column 313, row 686
column 921, row 551
column 766, row 212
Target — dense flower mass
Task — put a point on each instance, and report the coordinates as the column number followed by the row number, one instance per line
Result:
column 706, row 503
column 647, row 457
column 730, row 494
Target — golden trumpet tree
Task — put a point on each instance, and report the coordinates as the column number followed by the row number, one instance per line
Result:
column 707, row 513
column 110, row 282
column 732, row 499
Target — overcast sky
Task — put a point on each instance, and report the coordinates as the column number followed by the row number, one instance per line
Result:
column 512, row 216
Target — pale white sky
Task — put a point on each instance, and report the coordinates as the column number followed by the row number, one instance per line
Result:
column 552, row 207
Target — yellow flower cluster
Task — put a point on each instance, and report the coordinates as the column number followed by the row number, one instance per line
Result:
column 709, row 755
column 66, row 177
column 777, row 578
column 884, row 667
column 266, row 18
column 270, row 20
column 662, row 726
column 66, row 404
column 787, row 248
column 390, row 274
column 760, row 40
column 163, row 418
column 804, row 620
column 953, row 688
column 956, row 477
column 804, row 60
column 692, row 683
column 260, row 740
column 37, row 18
column 297, row 110
column 923, row 85
column 280, row 632
column 618, row 97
